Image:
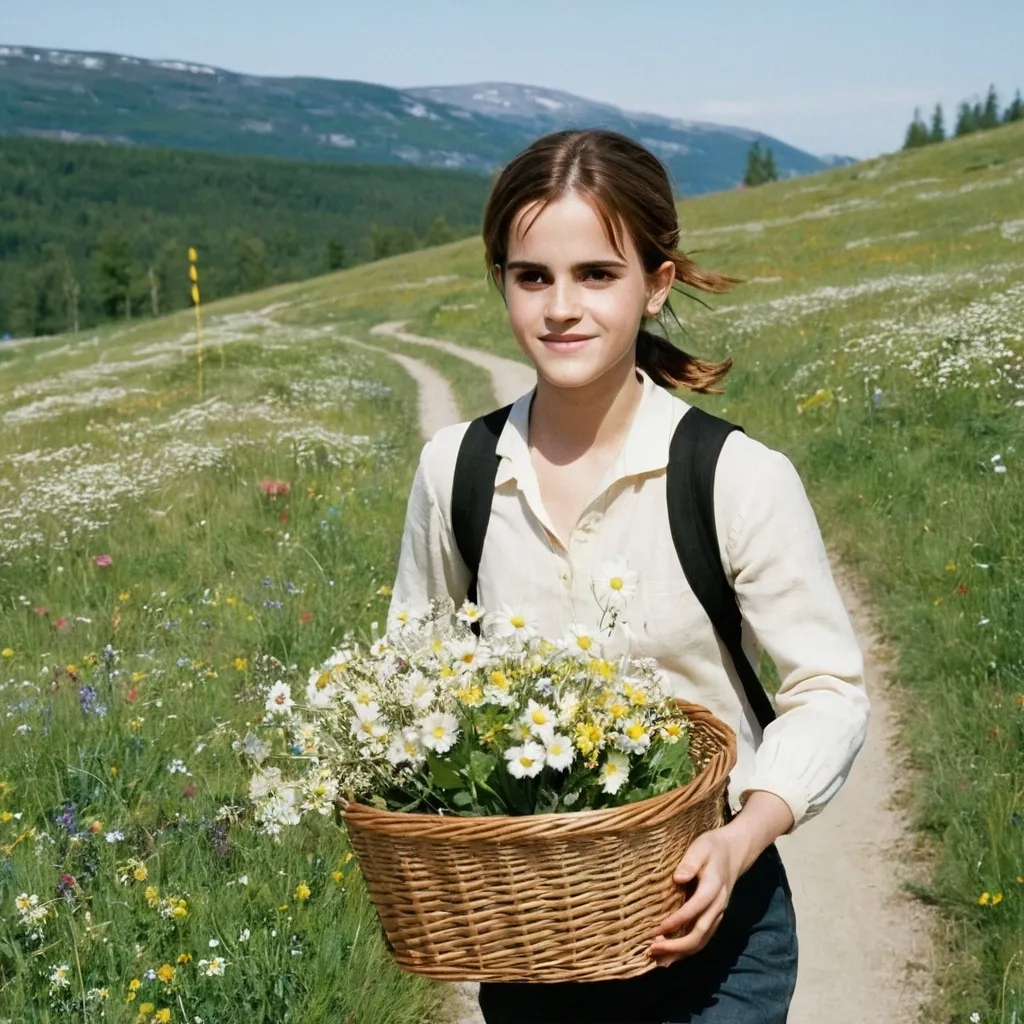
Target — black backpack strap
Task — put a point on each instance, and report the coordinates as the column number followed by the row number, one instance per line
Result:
column 473, row 491
column 693, row 459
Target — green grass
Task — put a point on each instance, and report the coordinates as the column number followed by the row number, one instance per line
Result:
column 877, row 341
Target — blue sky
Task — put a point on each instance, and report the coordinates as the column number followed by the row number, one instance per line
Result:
column 823, row 76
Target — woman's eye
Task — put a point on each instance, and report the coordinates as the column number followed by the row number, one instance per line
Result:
column 604, row 275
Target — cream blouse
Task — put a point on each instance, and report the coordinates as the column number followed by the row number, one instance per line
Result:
column 771, row 549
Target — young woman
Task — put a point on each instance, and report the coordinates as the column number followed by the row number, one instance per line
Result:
column 581, row 239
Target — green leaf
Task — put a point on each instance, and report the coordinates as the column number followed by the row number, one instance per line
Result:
column 481, row 765
column 463, row 798
column 442, row 773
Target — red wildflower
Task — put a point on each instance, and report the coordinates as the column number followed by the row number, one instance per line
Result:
column 305, row 617
column 61, row 622
column 132, row 695
column 41, row 610
column 103, row 560
column 275, row 488
column 962, row 589
column 284, row 515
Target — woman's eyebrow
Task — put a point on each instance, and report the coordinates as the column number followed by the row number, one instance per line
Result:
column 588, row 265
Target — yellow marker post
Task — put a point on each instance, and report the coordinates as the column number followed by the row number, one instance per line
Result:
column 193, row 276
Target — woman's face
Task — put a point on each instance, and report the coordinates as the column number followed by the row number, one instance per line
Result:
column 574, row 304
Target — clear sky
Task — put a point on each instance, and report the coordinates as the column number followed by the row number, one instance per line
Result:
column 827, row 77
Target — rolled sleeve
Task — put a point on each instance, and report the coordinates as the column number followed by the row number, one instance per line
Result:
column 789, row 599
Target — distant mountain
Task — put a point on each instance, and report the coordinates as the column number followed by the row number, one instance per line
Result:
column 71, row 96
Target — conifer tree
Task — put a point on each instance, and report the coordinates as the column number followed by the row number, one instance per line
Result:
column 938, row 129
column 990, row 112
column 1015, row 111
column 917, row 132
column 760, row 166
column 966, row 121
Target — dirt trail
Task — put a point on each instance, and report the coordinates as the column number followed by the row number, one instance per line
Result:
column 509, row 378
column 865, row 952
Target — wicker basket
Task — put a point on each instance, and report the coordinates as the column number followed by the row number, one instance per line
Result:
column 540, row 898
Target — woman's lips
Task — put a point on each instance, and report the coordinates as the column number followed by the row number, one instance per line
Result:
column 564, row 338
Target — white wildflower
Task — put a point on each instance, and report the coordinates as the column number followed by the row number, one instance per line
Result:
column 279, row 699
column 614, row 772
column 439, row 731
column 526, row 761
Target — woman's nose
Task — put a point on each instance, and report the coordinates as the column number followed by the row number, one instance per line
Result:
column 563, row 302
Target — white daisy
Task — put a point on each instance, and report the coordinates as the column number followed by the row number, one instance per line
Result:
column 320, row 688
column 467, row 655
column 634, row 738
column 417, row 691
column 559, row 751
column 59, row 977
column 406, row 746
column 439, row 731
column 517, row 621
column 470, row 613
column 365, row 723
column 279, row 699
column 568, row 704
column 614, row 772
column 614, row 584
column 526, row 761
column 581, row 642
column 213, row 967
column 540, row 718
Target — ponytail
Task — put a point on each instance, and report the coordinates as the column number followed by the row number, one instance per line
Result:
column 671, row 367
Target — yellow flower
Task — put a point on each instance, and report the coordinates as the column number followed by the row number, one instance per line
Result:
column 337, row 875
column 231, row 601
column 184, row 958
column 8, row 652
column 618, row 710
column 283, row 907
column 984, row 898
column 124, row 595
column 113, row 769
column 384, row 591
column 5, row 816
column 180, row 911
column 588, row 735
column 471, row 695
column 152, row 893
column 951, row 567
column 165, row 972
column 240, row 664
column 96, row 826
column 134, row 985
column 91, row 659
column 302, row 892
column 146, row 1008
column 137, row 677
column 162, row 1016
column 997, row 897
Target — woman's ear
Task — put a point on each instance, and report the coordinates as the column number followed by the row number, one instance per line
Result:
column 497, row 273
column 659, row 284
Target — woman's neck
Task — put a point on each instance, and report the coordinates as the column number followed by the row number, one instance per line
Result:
column 566, row 423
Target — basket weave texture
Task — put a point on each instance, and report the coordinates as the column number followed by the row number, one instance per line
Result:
column 545, row 897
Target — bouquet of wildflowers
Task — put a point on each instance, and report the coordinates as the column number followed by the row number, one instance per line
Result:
column 434, row 719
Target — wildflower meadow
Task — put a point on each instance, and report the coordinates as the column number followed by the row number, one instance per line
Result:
column 166, row 557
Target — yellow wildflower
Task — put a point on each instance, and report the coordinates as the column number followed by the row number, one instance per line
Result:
column 137, row 677
column 184, row 958
column 71, row 669
column 240, row 664
column 231, row 601
column 470, row 695
column 146, row 1008
column 113, row 769
column 134, row 985
column 302, row 892
column 384, row 591
column 337, row 875
column 985, row 898
column 283, row 908
column 997, row 897
column 165, row 972
column 5, row 816
column 152, row 893
column 8, row 652
column 588, row 735
column 162, row 1016
column 124, row 595
column 180, row 911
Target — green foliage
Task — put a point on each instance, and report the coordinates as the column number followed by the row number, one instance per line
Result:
column 937, row 132
column 917, row 133
column 760, row 166
column 92, row 232
column 1015, row 111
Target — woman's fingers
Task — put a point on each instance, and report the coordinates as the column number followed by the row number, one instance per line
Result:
column 693, row 942
column 709, row 886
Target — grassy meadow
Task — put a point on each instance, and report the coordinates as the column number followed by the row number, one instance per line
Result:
column 164, row 554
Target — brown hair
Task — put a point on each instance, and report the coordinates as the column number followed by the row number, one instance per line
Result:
column 626, row 184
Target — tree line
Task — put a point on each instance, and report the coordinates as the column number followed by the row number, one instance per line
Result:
column 760, row 166
column 91, row 233
column 977, row 117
